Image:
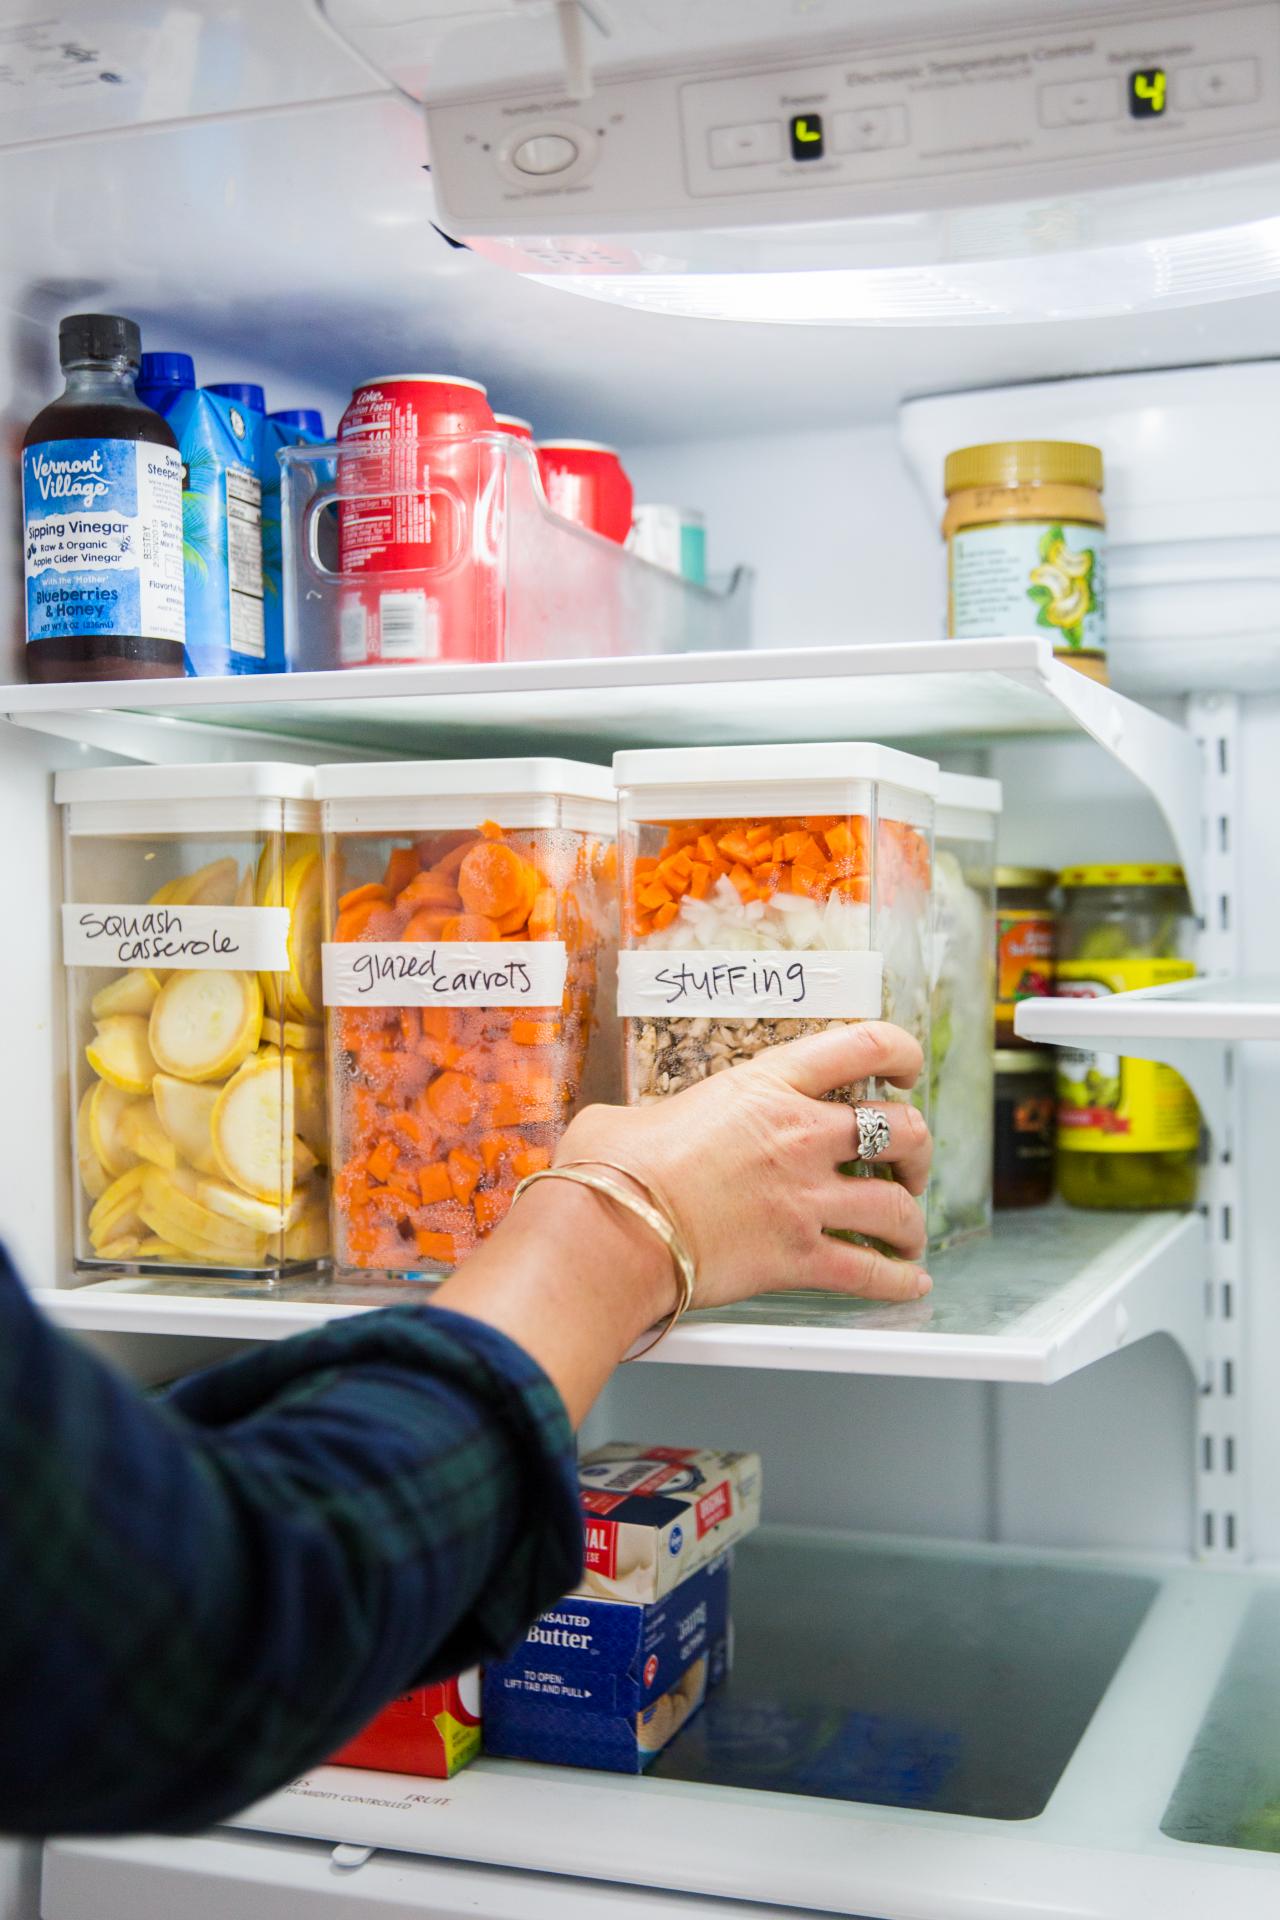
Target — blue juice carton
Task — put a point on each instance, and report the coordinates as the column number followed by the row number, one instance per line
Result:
column 608, row 1684
column 218, row 430
column 291, row 427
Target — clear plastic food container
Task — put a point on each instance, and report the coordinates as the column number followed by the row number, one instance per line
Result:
column 472, row 918
column 962, row 1051
column 767, row 892
column 191, row 936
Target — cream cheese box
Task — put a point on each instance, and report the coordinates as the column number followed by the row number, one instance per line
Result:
column 654, row 1515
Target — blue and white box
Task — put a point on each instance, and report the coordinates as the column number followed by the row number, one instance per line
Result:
column 601, row 1683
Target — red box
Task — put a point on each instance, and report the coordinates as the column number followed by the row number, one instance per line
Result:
column 433, row 1731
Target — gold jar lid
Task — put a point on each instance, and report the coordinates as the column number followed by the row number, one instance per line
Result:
column 1039, row 877
column 1024, row 463
column 1027, row 1060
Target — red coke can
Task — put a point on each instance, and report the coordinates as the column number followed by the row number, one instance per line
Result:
column 586, row 482
column 512, row 423
column 426, row 594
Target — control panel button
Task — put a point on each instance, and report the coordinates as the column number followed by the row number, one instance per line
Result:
column 865, row 128
column 1075, row 103
column 748, row 146
column 1227, row 83
column 544, row 153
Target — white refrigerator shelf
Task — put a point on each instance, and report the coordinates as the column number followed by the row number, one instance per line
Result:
column 924, row 692
column 1050, row 1292
column 1178, row 1024
column 1085, row 1734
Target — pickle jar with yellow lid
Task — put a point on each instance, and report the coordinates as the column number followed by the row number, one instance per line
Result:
column 1026, row 546
column 1128, row 1130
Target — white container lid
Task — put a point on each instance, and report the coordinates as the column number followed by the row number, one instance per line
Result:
column 223, row 780
column 968, row 807
column 393, row 794
column 229, row 796
column 775, row 766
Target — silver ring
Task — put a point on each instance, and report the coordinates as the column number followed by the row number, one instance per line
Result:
column 874, row 1137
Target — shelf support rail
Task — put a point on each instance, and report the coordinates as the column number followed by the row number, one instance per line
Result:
column 1222, row 1466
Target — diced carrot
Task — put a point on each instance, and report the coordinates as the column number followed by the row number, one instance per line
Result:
column 436, row 1246
column 534, row 1033
column 542, row 915
column 429, row 889
column 735, row 846
column 645, row 863
column 653, row 896
column 428, row 923
column 491, row 830
column 664, row 916
column 535, row 1098
column 402, row 864
column 530, row 1159
column 491, row 1207
column 469, row 926
column 437, row 1023
column 492, row 1148
column 374, row 890
column 464, row 1174
column 707, row 849
column 756, row 835
column 434, row 1183
column 383, row 1159
column 409, row 1125
column 700, row 880
column 454, row 1099
column 491, row 879
column 441, row 1053
column 742, row 880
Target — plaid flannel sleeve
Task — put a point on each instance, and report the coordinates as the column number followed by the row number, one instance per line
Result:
column 206, row 1594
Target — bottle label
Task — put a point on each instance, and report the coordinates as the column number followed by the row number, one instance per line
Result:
column 1110, row 1105
column 102, row 539
column 1024, row 954
column 1039, row 577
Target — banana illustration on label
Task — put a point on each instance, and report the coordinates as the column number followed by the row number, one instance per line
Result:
column 1063, row 586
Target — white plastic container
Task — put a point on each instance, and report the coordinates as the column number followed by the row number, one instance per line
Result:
column 471, row 907
column 962, row 1047
column 191, row 938
column 767, row 892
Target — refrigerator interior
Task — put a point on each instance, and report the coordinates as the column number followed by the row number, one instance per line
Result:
column 1027, row 1555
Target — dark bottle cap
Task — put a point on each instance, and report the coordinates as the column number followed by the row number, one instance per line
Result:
column 243, row 392
column 98, row 336
column 161, row 370
column 304, row 419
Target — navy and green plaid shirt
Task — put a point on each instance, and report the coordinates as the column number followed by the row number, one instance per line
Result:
column 202, row 1596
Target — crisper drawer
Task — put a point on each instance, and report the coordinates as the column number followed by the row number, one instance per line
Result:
column 244, row 1877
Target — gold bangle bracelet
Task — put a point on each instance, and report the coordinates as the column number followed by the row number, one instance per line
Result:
column 653, row 1218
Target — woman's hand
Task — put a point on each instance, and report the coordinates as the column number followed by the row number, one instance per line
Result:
column 748, row 1164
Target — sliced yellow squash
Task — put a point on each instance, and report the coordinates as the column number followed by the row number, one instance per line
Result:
column 304, row 897
column 94, row 1177
column 126, row 1246
column 304, row 1161
column 142, row 1133
column 308, row 1237
column 133, row 992
column 154, row 1248
column 204, row 1024
column 169, row 1207
column 120, row 1054
column 107, row 1107
column 310, row 1114
column 185, row 1110
column 292, row 1034
column 242, row 1207
column 267, row 893
column 253, row 1129
column 115, row 1214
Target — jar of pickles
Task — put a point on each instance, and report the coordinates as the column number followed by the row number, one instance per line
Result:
column 191, row 940
column 471, row 908
column 1128, row 1130
column 767, row 892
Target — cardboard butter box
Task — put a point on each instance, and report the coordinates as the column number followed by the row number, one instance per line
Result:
column 604, row 1683
column 432, row 1731
column 653, row 1515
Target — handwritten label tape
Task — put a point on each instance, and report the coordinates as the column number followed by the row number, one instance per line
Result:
column 735, row 985
column 450, row 973
column 245, row 939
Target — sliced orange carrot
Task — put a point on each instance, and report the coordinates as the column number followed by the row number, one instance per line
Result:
column 402, row 864
column 368, row 919
column 469, row 926
column 428, row 923
column 542, row 916
column 429, row 890
column 449, row 863
column 373, row 890
column 491, row 879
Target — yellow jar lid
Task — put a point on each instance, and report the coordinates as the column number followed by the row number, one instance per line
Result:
column 1041, row 877
column 1023, row 463
column 1136, row 874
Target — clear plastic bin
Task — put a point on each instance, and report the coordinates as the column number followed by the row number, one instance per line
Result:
column 472, row 914
column 962, row 1052
column 500, row 576
column 191, row 936
column 766, row 892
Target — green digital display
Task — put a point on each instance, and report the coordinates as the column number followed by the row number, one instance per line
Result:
column 1148, row 92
